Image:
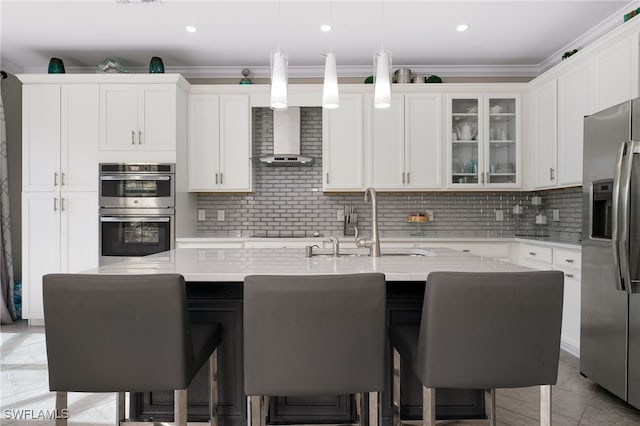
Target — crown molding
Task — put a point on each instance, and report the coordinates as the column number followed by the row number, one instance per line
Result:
column 604, row 27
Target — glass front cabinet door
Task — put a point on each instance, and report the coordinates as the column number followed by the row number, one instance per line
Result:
column 484, row 141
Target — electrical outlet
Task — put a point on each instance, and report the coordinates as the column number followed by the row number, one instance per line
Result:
column 220, row 215
column 499, row 215
column 429, row 214
column 556, row 215
column 340, row 215
column 202, row 215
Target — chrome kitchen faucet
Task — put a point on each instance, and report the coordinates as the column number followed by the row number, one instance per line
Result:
column 374, row 243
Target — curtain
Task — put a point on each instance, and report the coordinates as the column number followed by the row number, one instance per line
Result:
column 7, row 307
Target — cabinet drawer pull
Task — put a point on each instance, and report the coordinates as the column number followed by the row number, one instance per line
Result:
column 569, row 260
column 466, row 251
column 133, row 137
column 139, row 137
column 532, row 253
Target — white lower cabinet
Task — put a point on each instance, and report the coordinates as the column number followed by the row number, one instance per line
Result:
column 568, row 261
column 59, row 234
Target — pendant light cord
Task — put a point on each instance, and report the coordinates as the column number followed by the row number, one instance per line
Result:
column 278, row 24
column 331, row 25
column 382, row 25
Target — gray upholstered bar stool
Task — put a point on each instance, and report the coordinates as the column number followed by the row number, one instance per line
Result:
column 483, row 331
column 314, row 335
column 125, row 333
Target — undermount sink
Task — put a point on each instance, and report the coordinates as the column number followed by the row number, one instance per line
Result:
column 409, row 252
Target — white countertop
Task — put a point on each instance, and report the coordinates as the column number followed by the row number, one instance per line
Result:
column 232, row 265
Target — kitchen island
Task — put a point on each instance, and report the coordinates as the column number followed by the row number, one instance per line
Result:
column 214, row 286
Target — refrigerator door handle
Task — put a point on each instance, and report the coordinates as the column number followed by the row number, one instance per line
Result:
column 622, row 225
column 616, row 208
column 631, row 286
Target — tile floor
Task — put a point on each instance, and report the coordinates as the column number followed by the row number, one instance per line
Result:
column 24, row 386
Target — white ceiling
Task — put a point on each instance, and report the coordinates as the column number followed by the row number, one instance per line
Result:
column 505, row 37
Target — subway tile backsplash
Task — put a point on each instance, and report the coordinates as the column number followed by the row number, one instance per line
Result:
column 290, row 200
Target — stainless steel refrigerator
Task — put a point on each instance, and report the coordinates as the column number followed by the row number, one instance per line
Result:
column 610, row 316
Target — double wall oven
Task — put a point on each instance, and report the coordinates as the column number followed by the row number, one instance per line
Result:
column 137, row 209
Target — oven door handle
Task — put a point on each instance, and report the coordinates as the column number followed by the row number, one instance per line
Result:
column 134, row 219
column 134, row 177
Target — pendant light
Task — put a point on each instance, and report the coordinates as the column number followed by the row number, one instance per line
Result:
column 330, row 94
column 382, row 66
column 279, row 62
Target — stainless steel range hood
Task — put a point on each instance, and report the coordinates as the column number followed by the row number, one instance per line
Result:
column 286, row 140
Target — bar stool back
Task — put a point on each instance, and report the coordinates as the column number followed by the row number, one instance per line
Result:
column 125, row 333
column 314, row 335
column 483, row 331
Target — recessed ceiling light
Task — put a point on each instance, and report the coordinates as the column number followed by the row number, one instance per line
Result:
column 325, row 28
column 190, row 28
column 462, row 27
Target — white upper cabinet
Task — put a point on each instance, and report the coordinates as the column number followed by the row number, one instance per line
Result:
column 616, row 73
column 483, row 134
column 386, row 150
column 574, row 102
column 137, row 117
column 405, row 143
column 60, row 134
column 423, row 141
column 219, row 143
column 343, row 145
column 545, row 133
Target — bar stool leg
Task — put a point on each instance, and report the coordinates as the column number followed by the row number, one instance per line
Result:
column 428, row 406
column 374, row 409
column 120, row 407
column 395, row 392
column 490, row 405
column 62, row 411
column 180, row 407
column 545, row 405
column 360, row 410
column 213, row 388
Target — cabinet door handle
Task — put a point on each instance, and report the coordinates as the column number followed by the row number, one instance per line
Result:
column 133, row 137
column 55, row 204
column 532, row 253
column 221, row 180
column 402, row 177
column 139, row 137
column 62, row 178
column 216, row 178
column 327, row 178
column 482, row 177
column 552, row 173
column 408, row 177
column 55, row 178
column 569, row 260
column 61, row 204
